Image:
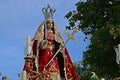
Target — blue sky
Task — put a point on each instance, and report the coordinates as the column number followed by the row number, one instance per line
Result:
column 20, row 18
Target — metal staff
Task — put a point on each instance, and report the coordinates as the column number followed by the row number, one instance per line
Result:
column 69, row 37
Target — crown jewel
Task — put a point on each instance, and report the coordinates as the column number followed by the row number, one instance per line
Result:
column 48, row 12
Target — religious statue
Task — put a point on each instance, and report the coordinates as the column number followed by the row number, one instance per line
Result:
column 50, row 59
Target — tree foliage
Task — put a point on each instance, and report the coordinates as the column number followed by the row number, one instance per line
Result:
column 100, row 21
column 82, row 72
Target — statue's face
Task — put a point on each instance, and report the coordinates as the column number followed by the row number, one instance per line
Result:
column 49, row 24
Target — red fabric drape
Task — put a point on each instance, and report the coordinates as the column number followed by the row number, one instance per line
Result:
column 67, row 63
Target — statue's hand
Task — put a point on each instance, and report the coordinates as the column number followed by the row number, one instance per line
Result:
column 43, row 44
column 62, row 45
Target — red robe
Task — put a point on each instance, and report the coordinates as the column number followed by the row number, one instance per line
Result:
column 60, row 60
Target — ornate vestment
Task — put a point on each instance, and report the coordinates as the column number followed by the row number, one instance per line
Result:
column 61, row 65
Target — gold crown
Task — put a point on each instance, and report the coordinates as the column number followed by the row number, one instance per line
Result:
column 48, row 12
